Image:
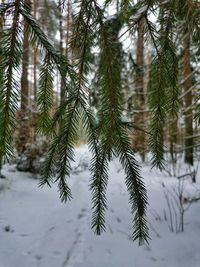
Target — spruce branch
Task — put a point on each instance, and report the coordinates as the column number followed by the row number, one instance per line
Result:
column 61, row 152
column 163, row 86
column 157, row 103
column 135, row 186
column 112, row 132
column 49, row 170
column 98, row 169
column 98, row 185
column 45, row 96
column 9, row 87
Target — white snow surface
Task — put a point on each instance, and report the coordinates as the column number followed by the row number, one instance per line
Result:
column 37, row 230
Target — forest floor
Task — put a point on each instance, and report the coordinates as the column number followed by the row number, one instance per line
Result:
column 37, row 230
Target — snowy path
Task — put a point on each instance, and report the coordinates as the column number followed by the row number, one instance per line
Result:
column 36, row 230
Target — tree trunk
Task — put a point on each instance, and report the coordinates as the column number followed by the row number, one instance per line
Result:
column 187, row 85
column 62, row 87
column 173, row 134
column 35, row 61
column 23, row 131
column 25, row 64
column 68, row 29
column 139, row 138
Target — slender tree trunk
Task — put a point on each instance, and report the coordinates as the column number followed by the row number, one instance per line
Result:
column 35, row 60
column 61, row 26
column 173, row 133
column 45, row 12
column 139, row 138
column 25, row 64
column 62, row 88
column 187, row 85
column 23, row 131
column 68, row 29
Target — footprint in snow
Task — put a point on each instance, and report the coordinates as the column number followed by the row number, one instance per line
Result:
column 118, row 220
column 56, row 253
column 38, row 257
column 147, row 248
column 153, row 259
column 51, row 228
column 82, row 213
column 108, row 251
column 80, row 216
column 24, row 235
column 69, row 221
column 83, row 210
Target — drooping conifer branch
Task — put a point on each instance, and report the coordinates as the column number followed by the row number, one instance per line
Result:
column 113, row 132
column 163, row 88
column 69, row 117
column 10, row 58
column 45, row 96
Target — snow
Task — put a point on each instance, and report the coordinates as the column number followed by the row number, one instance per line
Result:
column 37, row 230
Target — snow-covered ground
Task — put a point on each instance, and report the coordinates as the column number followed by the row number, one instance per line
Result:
column 37, row 230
